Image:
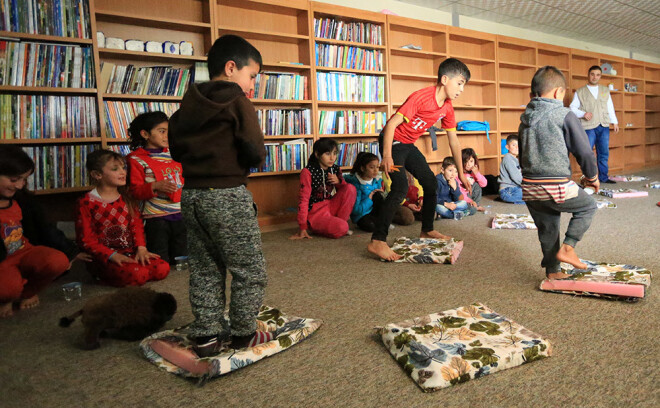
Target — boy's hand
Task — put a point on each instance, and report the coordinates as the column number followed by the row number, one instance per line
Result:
column 453, row 183
column 333, row 179
column 378, row 190
column 302, row 234
column 82, row 256
column 595, row 185
column 142, row 256
column 451, row 206
column 120, row 259
column 415, row 207
column 588, row 116
column 163, row 186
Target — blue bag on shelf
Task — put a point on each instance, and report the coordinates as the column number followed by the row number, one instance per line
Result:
column 472, row 125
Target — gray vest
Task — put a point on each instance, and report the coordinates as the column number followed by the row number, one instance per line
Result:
column 596, row 106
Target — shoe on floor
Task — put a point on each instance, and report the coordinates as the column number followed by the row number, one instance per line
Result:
column 609, row 181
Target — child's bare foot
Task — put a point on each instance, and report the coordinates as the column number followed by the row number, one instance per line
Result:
column 557, row 275
column 433, row 234
column 382, row 250
column 567, row 254
column 480, row 208
column 6, row 310
column 29, row 303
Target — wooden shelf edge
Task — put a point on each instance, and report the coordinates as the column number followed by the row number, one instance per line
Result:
column 44, row 37
column 349, row 43
column 150, row 55
column 142, row 97
column 167, row 23
column 63, row 190
column 52, row 141
column 47, row 90
column 351, row 71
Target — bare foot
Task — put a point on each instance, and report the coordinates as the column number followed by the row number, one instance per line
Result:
column 480, row 208
column 6, row 310
column 567, row 254
column 433, row 234
column 558, row 275
column 29, row 303
column 382, row 250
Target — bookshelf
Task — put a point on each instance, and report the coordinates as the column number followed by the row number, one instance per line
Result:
column 288, row 39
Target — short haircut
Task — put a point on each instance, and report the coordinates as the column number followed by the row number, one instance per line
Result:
column 453, row 67
column 546, row 79
column 511, row 138
column 14, row 161
column 231, row 47
column 448, row 161
column 594, row 68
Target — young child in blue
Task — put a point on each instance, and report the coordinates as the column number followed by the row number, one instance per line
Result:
column 448, row 194
column 217, row 138
column 365, row 176
column 510, row 175
column 548, row 133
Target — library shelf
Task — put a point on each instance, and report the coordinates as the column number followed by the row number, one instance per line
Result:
column 479, row 81
column 403, row 75
column 155, row 22
column 292, row 137
column 43, row 37
column 273, row 173
column 262, row 34
column 349, row 43
column 514, row 84
column 347, row 135
column 351, row 71
column 404, row 52
column 73, row 140
column 130, row 97
column 149, row 56
column 475, row 107
column 63, row 190
column 473, row 60
column 513, row 107
column 516, row 65
column 288, row 65
column 47, row 90
column 256, row 101
column 351, row 104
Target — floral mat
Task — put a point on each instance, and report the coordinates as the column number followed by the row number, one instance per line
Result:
column 622, row 193
column 628, row 178
column 455, row 346
column 289, row 331
column 513, row 221
column 427, row 250
column 607, row 280
column 602, row 202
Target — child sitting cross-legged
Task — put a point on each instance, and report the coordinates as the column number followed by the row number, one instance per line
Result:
column 365, row 176
column 510, row 176
column 474, row 178
column 448, row 193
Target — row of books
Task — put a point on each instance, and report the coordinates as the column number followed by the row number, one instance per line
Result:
column 49, row 65
column 155, row 80
column 119, row 115
column 342, row 87
column 59, row 166
column 291, row 155
column 343, row 56
column 122, row 149
column 278, row 122
column 47, row 116
column 65, row 18
column 351, row 122
column 280, row 85
column 347, row 152
column 348, row 31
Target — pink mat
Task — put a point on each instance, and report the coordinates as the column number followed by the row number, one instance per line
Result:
column 623, row 193
column 605, row 288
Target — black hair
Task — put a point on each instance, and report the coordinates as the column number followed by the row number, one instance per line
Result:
column 144, row 121
column 547, row 78
column 231, row 47
column 511, row 138
column 448, row 161
column 14, row 161
column 321, row 146
column 467, row 153
column 453, row 67
column 594, row 68
column 361, row 161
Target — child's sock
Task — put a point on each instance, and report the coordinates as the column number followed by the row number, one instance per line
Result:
column 251, row 340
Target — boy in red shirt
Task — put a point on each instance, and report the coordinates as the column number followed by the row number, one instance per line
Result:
column 419, row 112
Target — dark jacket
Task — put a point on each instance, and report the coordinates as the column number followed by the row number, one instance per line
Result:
column 445, row 193
column 216, row 136
column 38, row 230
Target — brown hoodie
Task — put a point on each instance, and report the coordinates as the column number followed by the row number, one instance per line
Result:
column 216, row 136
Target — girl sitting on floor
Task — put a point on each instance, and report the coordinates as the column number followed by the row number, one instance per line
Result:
column 471, row 170
column 365, row 176
column 109, row 227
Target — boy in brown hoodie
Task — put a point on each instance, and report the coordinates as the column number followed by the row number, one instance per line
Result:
column 217, row 139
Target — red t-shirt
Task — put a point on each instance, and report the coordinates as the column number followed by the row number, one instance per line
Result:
column 11, row 229
column 421, row 111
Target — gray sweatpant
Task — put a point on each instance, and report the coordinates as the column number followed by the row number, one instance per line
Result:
column 223, row 234
column 547, row 216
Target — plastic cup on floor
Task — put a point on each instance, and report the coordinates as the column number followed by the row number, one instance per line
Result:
column 458, row 215
column 488, row 209
column 181, row 263
column 72, row 291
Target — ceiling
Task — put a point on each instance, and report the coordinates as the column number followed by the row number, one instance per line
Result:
column 632, row 25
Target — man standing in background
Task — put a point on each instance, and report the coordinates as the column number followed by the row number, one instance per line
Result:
column 593, row 105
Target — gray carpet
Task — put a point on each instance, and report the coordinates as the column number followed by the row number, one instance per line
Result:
column 606, row 353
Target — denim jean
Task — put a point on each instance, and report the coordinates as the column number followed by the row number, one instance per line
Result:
column 445, row 212
column 512, row 195
column 547, row 217
column 600, row 137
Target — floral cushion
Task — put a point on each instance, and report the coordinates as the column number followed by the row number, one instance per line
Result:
column 513, row 221
column 628, row 178
column 454, row 346
column 608, row 280
column 653, row 184
column 622, row 193
column 602, row 202
column 289, row 331
column 427, row 250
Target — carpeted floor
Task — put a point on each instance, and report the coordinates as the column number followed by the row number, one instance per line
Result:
column 606, row 353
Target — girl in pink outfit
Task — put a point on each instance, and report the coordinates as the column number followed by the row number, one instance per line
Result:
column 326, row 200
column 471, row 170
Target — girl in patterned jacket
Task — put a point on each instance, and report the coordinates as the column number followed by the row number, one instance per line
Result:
column 365, row 176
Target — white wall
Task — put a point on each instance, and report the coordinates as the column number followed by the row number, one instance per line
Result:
column 441, row 17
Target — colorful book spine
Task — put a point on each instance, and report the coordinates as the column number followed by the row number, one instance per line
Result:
column 119, row 115
column 342, row 56
column 345, row 87
column 59, row 166
column 347, row 152
column 355, row 31
column 64, row 18
column 351, row 122
column 280, row 85
column 281, row 122
column 287, row 156
column 156, row 80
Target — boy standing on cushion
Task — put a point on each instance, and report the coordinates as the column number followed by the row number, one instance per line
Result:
column 419, row 112
column 548, row 132
column 217, row 139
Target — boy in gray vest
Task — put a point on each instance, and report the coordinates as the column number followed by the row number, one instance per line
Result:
column 592, row 104
column 548, row 132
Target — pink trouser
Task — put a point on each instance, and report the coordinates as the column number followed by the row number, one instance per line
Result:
column 330, row 217
column 27, row 271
